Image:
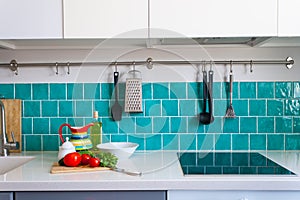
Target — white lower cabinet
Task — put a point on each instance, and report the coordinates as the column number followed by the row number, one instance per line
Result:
column 232, row 195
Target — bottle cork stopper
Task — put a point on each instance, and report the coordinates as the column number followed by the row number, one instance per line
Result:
column 95, row 114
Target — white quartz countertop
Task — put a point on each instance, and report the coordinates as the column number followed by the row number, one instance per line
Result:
column 160, row 171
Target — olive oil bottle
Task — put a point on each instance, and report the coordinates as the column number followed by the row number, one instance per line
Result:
column 96, row 131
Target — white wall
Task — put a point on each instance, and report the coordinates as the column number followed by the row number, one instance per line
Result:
column 178, row 73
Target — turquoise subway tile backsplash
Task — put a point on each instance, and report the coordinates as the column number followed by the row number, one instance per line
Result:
column 268, row 115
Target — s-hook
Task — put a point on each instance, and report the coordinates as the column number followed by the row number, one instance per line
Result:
column 68, row 66
column 251, row 66
column 56, row 66
column 13, row 66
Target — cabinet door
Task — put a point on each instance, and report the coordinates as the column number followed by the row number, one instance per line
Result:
column 6, row 195
column 213, row 18
column 30, row 19
column 105, row 18
column 288, row 18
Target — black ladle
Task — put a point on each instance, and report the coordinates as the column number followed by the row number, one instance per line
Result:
column 207, row 117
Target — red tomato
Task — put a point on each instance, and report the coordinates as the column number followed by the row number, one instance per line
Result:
column 85, row 159
column 72, row 159
column 94, row 162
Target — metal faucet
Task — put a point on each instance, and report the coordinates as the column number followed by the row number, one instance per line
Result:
column 5, row 146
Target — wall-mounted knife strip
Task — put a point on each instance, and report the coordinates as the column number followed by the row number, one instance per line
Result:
column 13, row 113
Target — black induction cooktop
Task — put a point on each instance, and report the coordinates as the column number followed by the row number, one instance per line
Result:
column 230, row 163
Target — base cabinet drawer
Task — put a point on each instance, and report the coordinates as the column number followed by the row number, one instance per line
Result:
column 6, row 196
column 89, row 195
column 233, row 195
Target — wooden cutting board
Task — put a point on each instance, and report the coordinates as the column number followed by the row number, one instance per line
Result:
column 56, row 169
column 13, row 114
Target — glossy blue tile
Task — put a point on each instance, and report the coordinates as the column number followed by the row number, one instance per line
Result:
column 32, row 109
column 55, row 123
column 257, row 108
column 283, row 125
column 275, row 142
column 50, row 143
column 144, row 125
column 139, row 139
column 178, row 90
column 265, row 90
column 296, row 125
column 258, row 142
column 7, row 91
column 240, row 142
column 241, row 107
column 23, row 91
column 178, row 124
column 194, row 90
column 102, row 106
column 40, row 91
column 223, row 141
column 205, row 142
column 49, row 108
column 153, row 142
column 292, row 142
column 187, row 141
column 58, row 91
column 107, row 91
column 161, row 125
column 33, row 143
column 187, row 108
column 216, row 126
column 170, row 107
column 283, row 89
column 160, row 91
column 225, row 90
column 127, row 125
column 121, row 91
column 194, row 125
column 109, row 126
column 26, row 126
column 170, row 142
column 231, row 125
column 296, row 87
column 217, row 90
column 74, row 90
column 220, row 107
column 248, row 124
column 41, row 125
column 84, row 108
column 147, row 91
column 265, row 125
column 76, row 121
column 119, row 138
column 248, row 90
column 292, row 107
column 152, row 107
column 274, row 107
column 66, row 108
column 91, row 91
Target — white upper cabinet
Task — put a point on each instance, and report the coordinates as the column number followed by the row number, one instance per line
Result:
column 30, row 19
column 105, row 18
column 288, row 18
column 213, row 18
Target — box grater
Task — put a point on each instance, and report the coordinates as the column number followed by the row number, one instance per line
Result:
column 133, row 92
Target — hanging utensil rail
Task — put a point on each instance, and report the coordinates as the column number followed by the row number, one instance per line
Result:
column 13, row 65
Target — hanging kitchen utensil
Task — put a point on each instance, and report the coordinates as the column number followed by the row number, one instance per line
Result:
column 133, row 92
column 116, row 109
column 207, row 117
column 230, row 111
column 204, row 115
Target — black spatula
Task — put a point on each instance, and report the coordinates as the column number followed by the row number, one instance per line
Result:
column 116, row 109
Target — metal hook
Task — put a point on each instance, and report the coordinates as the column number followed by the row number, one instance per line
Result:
column 13, row 66
column 68, row 66
column 231, row 66
column 211, row 63
column 203, row 66
column 251, row 66
column 116, row 68
column 56, row 65
column 133, row 64
column 149, row 63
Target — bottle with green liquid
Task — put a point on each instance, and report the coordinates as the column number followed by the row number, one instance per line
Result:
column 96, row 132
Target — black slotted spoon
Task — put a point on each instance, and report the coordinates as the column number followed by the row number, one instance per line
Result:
column 116, row 109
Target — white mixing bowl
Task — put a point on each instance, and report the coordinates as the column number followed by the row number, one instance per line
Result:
column 120, row 149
